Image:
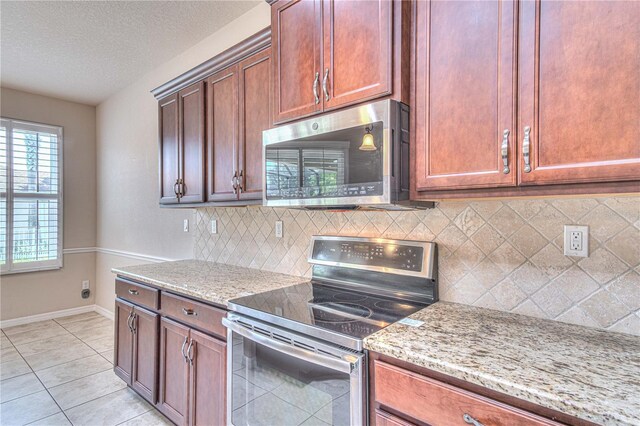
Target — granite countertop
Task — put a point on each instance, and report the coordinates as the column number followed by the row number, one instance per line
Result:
column 581, row 371
column 212, row 282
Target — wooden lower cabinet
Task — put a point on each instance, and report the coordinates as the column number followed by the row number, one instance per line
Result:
column 176, row 367
column 135, row 350
column 192, row 376
column 173, row 397
column 417, row 399
column 207, row 380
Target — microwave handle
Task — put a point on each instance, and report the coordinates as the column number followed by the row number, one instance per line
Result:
column 342, row 365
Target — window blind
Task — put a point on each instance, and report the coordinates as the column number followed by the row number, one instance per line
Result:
column 30, row 196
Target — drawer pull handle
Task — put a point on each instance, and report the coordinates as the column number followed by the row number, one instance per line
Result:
column 184, row 355
column 133, row 292
column 470, row 420
column 190, row 352
column 505, row 151
column 189, row 312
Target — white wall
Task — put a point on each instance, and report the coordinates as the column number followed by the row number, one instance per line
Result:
column 40, row 292
column 129, row 218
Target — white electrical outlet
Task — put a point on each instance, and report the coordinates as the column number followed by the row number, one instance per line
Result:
column 576, row 240
column 278, row 229
column 185, row 225
column 214, row 226
column 85, row 284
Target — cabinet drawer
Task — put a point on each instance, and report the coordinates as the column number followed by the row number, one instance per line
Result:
column 194, row 313
column 137, row 293
column 438, row 403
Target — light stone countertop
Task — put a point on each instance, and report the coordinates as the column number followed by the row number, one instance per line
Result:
column 208, row 281
column 581, row 371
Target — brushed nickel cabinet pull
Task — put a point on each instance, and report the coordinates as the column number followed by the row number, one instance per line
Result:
column 505, row 151
column 129, row 318
column 133, row 292
column 176, row 188
column 315, row 88
column 324, row 85
column 184, row 355
column 470, row 420
column 241, row 181
column 189, row 312
column 133, row 323
column 181, row 187
column 234, row 182
column 190, row 352
column 526, row 149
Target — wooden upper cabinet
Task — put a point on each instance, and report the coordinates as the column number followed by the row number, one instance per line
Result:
column 579, row 91
column 207, row 381
column 255, row 117
column 222, row 134
column 465, row 115
column 191, row 119
column 169, row 155
column 357, row 45
column 296, row 43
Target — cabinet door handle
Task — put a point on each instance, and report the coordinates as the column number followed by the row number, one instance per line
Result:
column 315, row 88
column 189, row 312
column 176, row 188
column 470, row 420
column 234, row 182
column 505, row 151
column 133, row 292
column 190, row 352
column 133, row 323
column 241, row 181
column 184, row 355
column 129, row 318
column 526, row 149
column 181, row 187
column 324, row 85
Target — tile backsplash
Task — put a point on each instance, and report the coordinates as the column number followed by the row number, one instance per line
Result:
column 504, row 255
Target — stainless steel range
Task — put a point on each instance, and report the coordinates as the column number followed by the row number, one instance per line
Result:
column 295, row 355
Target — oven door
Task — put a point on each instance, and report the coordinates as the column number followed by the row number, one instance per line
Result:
column 276, row 377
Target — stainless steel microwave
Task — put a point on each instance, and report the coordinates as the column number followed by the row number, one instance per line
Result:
column 357, row 157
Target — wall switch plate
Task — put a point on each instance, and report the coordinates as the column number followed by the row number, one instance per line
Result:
column 85, row 284
column 278, row 229
column 576, row 240
column 214, row 226
column 185, row 225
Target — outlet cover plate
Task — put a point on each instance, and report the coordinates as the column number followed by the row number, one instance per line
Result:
column 85, row 284
column 185, row 225
column 279, row 229
column 576, row 240
column 214, row 226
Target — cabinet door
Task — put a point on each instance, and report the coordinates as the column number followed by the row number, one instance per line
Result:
column 222, row 134
column 357, row 61
column 144, row 373
column 123, row 347
column 208, row 386
column 191, row 113
column 168, row 148
column 296, row 44
column 173, row 392
column 464, row 94
column 255, row 117
column 578, row 91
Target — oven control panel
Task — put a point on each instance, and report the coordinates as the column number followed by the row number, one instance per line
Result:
column 402, row 255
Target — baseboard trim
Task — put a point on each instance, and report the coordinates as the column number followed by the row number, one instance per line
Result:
column 104, row 312
column 113, row 252
column 57, row 314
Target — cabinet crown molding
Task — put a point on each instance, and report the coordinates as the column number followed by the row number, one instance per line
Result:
column 257, row 42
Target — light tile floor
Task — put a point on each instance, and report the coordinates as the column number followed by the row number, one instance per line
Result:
column 60, row 372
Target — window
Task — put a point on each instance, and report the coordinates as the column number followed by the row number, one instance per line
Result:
column 30, row 196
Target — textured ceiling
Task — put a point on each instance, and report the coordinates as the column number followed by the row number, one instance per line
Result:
column 87, row 50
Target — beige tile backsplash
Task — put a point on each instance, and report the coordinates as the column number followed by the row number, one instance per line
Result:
column 504, row 255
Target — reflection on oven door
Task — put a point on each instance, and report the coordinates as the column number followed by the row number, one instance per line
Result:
column 271, row 388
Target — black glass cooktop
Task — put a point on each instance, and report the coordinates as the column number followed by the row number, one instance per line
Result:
column 324, row 311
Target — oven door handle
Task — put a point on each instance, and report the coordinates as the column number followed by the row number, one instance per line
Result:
column 345, row 365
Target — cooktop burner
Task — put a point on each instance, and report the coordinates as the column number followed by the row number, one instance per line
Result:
column 324, row 307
